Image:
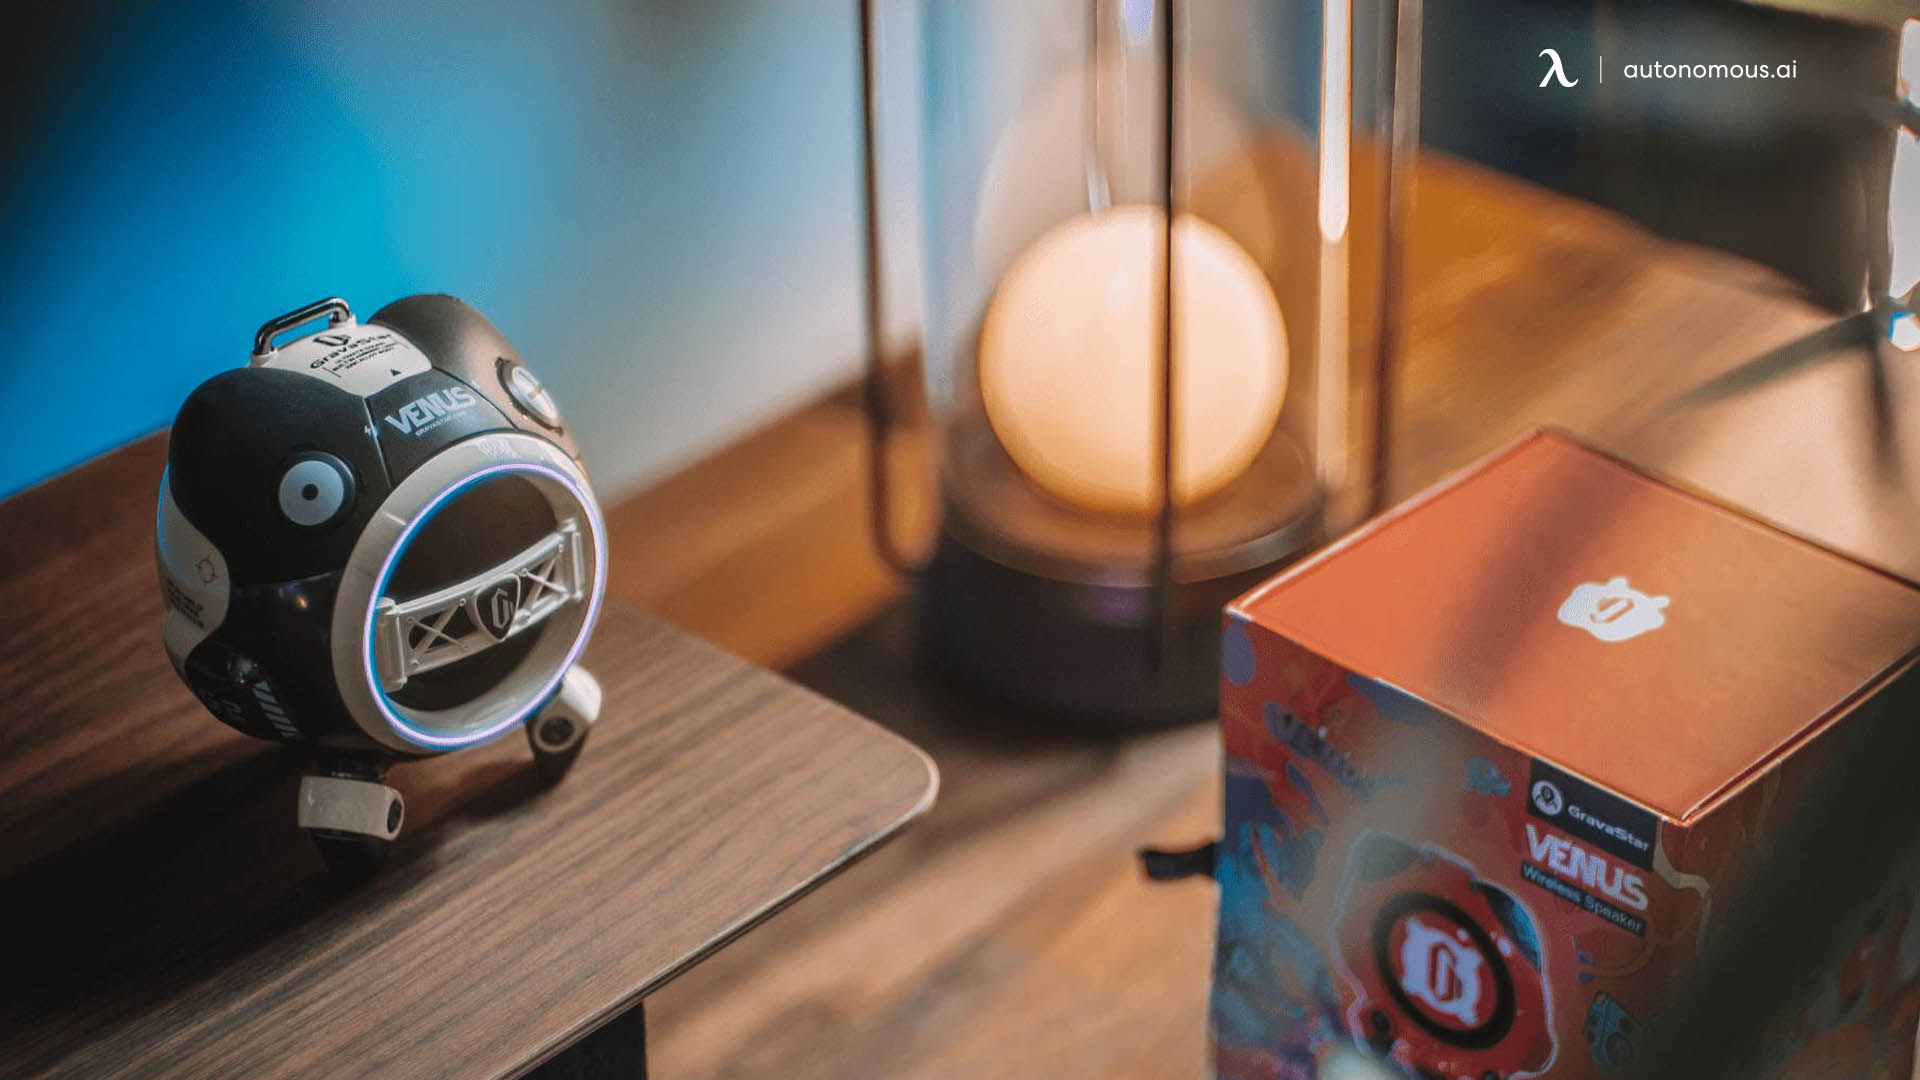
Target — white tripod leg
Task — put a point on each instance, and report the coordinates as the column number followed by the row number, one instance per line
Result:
column 558, row 731
column 352, row 820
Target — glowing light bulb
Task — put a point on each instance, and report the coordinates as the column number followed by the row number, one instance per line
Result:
column 1069, row 360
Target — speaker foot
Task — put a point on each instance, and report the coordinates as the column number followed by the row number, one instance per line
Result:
column 557, row 732
column 352, row 817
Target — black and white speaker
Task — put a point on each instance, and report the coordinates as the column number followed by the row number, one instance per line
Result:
column 378, row 541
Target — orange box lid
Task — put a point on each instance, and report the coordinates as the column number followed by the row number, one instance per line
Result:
column 1563, row 602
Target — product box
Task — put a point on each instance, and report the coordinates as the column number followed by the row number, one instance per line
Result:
column 1559, row 770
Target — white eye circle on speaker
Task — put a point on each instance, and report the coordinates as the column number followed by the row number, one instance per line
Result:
column 314, row 490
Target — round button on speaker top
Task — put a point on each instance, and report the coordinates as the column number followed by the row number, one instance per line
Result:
column 529, row 394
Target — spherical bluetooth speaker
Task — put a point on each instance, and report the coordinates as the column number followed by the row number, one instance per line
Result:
column 378, row 542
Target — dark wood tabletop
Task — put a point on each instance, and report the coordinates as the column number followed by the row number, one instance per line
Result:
column 165, row 917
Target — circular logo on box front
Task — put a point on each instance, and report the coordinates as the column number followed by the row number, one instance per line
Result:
column 1436, row 963
column 1444, row 970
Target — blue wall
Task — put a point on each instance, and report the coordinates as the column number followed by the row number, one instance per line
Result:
column 655, row 201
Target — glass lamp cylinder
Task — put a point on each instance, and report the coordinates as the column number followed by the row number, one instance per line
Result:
column 1156, row 251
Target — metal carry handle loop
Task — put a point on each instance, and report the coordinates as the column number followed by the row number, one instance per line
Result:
column 333, row 307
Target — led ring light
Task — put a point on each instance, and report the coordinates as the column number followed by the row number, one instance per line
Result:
column 378, row 541
column 380, row 641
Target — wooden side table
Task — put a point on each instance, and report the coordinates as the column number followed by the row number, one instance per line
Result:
column 167, row 918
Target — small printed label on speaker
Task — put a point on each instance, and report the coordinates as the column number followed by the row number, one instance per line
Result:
column 495, row 605
column 361, row 360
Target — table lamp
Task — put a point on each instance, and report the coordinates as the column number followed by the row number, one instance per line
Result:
column 1156, row 246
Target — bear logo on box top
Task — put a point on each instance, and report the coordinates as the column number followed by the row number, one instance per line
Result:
column 1614, row 611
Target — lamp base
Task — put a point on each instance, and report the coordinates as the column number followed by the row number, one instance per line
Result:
column 1092, row 655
